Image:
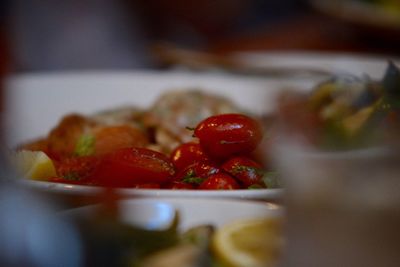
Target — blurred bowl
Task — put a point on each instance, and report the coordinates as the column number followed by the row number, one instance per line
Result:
column 192, row 212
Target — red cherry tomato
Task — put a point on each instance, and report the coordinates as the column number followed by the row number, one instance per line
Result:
column 148, row 186
column 196, row 173
column 130, row 167
column 187, row 154
column 247, row 171
column 223, row 136
column 67, row 181
column 77, row 170
column 219, row 181
column 179, row 186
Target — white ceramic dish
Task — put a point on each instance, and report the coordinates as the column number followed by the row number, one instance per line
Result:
column 71, row 190
column 217, row 212
column 36, row 102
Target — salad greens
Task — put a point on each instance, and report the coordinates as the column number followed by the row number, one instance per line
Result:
column 353, row 112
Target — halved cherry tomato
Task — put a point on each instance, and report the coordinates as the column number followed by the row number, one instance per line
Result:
column 223, row 136
column 196, row 173
column 247, row 171
column 219, row 181
column 77, row 169
column 187, row 154
column 179, row 186
column 148, row 186
column 68, row 181
column 130, row 167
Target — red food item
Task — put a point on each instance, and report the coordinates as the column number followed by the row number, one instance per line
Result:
column 77, row 169
column 196, row 173
column 67, row 181
column 219, row 181
column 247, row 171
column 130, row 167
column 176, row 185
column 187, row 154
column 148, row 186
column 111, row 138
column 223, row 136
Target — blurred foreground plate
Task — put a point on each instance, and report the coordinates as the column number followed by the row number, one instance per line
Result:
column 192, row 212
column 34, row 103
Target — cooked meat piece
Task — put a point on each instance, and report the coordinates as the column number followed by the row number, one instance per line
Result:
column 110, row 138
column 119, row 116
column 63, row 138
column 176, row 110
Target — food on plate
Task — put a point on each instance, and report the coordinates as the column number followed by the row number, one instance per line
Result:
column 219, row 181
column 345, row 112
column 174, row 111
column 34, row 165
column 187, row 154
column 162, row 127
column 82, row 135
column 132, row 166
column 245, row 170
column 200, row 148
column 226, row 135
column 248, row 242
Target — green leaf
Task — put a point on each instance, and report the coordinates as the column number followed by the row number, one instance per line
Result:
column 193, row 180
column 85, row 145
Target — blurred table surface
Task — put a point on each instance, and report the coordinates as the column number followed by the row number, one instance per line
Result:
column 307, row 31
column 313, row 32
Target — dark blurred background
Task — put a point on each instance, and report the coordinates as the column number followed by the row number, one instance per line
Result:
column 41, row 35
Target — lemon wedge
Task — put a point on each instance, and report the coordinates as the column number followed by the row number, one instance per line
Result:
column 34, row 165
column 249, row 243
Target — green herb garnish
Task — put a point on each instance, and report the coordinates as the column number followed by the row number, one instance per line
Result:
column 85, row 145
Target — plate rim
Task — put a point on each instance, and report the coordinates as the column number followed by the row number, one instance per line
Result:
column 86, row 190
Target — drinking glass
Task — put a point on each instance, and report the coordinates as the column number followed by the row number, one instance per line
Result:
column 343, row 208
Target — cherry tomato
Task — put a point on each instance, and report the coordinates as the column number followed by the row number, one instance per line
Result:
column 67, row 181
column 129, row 167
column 187, row 154
column 219, row 181
column 223, row 136
column 179, row 186
column 196, row 173
column 148, row 186
column 247, row 171
column 77, row 169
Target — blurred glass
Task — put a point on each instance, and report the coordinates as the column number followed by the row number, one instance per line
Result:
column 343, row 207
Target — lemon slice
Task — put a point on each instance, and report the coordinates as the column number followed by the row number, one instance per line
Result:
column 34, row 165
column 249, row 243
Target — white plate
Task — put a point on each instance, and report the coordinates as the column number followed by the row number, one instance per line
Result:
column 79, row 190
column 36, row 102
column 217, row 212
